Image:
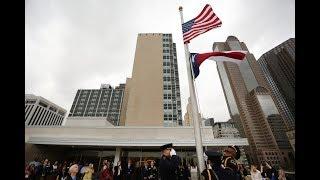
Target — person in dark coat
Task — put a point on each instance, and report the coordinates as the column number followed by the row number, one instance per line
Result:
column 169, row 163
column 144, row 171
column 152, row 171
column 186, row 172
column 46, row 169
column 181, row 172
column 106, row 172
column 129, row 171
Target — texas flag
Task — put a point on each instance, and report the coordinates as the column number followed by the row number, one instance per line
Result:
column 230, row 56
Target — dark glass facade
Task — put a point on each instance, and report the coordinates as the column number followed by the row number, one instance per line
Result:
column 278, row 66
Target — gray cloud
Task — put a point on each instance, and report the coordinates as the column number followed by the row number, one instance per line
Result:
column 81, row 44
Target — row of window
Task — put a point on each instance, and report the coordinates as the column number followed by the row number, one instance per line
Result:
column 53, row 109
column 171, row 71
column 166, row 40
column 30, row 101
column 94, row 100
column 166, row 63
column 169, row 86
column 170, row 118
column 95, row 95
column 170, row 115
column 176, row 79
column 271, row 153
column 168, row 79
column 85, row 93
column 115, row 106
column 169, row 97
column 169, row 106
column 43, row 104
column 167, row 57
column 166, row 70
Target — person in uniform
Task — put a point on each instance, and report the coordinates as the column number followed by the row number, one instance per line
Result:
column 213, row 165
column 224, row 165
column 230, row 156
column 169, row 163
column 229, row 162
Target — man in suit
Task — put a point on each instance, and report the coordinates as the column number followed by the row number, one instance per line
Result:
column 129, row 170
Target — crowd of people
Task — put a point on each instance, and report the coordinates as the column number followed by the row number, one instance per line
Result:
column 148, row 170
column 219, row 166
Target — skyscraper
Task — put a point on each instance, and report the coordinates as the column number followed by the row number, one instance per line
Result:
column 188, row 121
column 152, row 94
column 41, row 112
column 104, row 102
column 252, row 107
column 278, row 66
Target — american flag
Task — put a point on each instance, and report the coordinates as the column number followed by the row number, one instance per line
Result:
column 204, row 22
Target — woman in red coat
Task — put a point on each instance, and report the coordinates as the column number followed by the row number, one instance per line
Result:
column 106, row 173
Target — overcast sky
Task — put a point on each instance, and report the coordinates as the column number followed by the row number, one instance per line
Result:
column 79, row 44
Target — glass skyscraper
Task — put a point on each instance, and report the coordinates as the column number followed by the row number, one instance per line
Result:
column 278, row 66
column 252, row 107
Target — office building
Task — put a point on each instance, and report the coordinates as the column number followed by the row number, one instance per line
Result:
column 97, row 105
column 188, row 121
column 278, row 66
column 252, row 107
column 152, row 94
column 227, row 130
column 42, row 112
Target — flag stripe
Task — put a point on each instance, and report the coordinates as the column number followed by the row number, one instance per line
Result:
column 197, row 33
column 204, row 9
column 204, row 22
column 203, row 26
column 225, row 56
column 204, row 17
column 211, row 21
column 235, row 55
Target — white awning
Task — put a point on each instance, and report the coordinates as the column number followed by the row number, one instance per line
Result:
column 124, row 136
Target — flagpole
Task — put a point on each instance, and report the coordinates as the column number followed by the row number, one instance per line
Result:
column 194, row 106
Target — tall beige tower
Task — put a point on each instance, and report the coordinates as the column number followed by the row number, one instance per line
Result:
column 152, row 95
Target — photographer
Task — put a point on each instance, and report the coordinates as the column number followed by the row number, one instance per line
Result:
column 169, row 163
